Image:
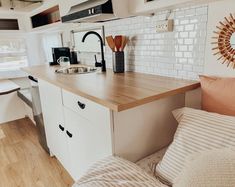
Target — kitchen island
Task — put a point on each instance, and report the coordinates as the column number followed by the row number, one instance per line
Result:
column 90, row 116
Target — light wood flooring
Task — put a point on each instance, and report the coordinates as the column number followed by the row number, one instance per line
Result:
column 23, row 163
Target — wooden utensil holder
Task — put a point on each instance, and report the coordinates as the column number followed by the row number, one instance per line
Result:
column 118, row 62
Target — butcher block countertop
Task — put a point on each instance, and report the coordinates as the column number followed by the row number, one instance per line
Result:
column 116, row 91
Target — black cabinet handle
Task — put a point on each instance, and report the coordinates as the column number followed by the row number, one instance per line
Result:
column 61, row 127
column 69, row 134
column 32, row 78
column 81, row 105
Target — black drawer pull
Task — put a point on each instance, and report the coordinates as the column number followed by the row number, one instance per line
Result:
column 32, row 78
column 81, row 105
column 69, row 134
column 61, row 127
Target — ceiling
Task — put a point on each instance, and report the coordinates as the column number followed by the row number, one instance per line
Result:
column 20, row 5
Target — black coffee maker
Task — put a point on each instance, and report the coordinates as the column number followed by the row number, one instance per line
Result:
column 58, row 52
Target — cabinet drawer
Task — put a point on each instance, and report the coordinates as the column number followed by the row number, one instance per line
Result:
column 84, row 107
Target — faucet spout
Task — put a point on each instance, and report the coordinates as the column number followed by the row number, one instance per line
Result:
column 102, row 64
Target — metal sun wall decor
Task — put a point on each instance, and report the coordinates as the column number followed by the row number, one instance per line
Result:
column 224, row 41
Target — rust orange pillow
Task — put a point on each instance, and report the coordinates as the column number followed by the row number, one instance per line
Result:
column 218, row 95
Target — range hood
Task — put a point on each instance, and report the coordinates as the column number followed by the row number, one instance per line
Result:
column 95, row 11
column 90, row 11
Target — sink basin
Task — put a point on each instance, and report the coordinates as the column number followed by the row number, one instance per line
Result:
column 76, row 70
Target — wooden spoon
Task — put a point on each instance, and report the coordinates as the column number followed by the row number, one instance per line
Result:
column 118, row 42
column 123, row 43
column 110, row 42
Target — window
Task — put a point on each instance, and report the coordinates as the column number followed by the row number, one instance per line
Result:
column 13, row 54
column 50, row 41
column 92, row 43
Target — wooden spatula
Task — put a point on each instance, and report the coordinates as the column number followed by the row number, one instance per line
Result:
column 123, row 43
column 110, row 42
column 118, row 42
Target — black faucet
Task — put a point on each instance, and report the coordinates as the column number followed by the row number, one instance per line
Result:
column 102, row 63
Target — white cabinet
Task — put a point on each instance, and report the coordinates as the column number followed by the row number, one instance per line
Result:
column 88, row 142
column 90, row 126
column 78, row 136
column 92, row 132
column 54, row 121
column 138, row 7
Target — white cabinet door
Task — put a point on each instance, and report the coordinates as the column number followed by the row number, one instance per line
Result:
column 51, row 100
column 142, row 7
column 88, row 142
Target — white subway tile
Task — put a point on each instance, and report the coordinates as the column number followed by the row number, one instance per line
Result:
column 190, row 12
column 176, row 54
column 184, row 21
column 202, row 10
column 184, row 34
column 189, row 27
column 188, row 54
column 188, row 41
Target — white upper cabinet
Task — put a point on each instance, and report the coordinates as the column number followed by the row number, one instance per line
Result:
column 138, row 7
column 121, row 9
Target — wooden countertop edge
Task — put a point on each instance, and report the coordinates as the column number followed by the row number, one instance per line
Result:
column 78, row 92
column 157, row 97
column 121, row 107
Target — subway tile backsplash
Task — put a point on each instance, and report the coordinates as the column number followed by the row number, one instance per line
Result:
column 176, row 54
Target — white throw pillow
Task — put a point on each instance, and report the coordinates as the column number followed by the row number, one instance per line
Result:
column 210, row 168
column 178, row 113
column 197, row 131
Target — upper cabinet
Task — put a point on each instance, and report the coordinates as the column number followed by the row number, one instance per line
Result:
column 49, row 16
column 138, row 7
column 45, row 17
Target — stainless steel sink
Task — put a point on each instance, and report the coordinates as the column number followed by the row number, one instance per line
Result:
column 76, row 70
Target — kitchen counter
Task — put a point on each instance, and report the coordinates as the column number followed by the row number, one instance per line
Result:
column 116, row 91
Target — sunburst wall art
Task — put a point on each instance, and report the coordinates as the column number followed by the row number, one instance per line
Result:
column 224, row 41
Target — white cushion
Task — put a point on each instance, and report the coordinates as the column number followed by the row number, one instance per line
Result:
column 117, row 172
column 178, row 113
column 212, row 168
column 197, row 131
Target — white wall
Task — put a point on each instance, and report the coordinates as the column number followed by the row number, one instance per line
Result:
column 34, row 49
column 217, row 12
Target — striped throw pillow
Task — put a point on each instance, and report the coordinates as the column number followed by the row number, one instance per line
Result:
column 117, row 172
column 197, row 131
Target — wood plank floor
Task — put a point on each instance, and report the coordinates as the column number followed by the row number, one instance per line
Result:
column 23, row 163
